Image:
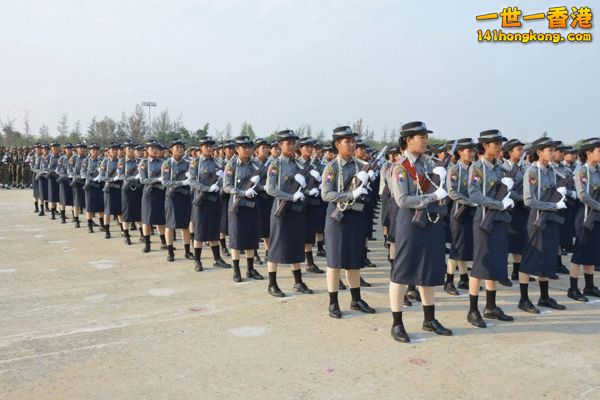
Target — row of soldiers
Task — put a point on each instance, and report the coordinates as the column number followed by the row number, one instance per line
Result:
column 479, row 202
column 15, row 171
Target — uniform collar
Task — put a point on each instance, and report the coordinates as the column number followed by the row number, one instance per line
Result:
column 487, row 163
column 463, row 164
column 344, row 162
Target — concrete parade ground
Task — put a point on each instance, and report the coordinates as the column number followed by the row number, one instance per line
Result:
column 87, row 318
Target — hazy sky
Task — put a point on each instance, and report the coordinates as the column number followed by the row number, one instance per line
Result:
column 279, row 63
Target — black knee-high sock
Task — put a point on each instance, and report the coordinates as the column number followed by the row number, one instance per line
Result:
column 222, row 243
column 273, row 278
column 589, row 280
column 544, row 290
column 147, row 239
column 449, row 278
column 524, row 287
column 333, row 298
column 473, row 303
column 464, row 277
column 429, row 313
column 187, row 248
column 516, row 267
column 236, row 267
column 171, row 250
column 309, row 258
column 197, row 253
column 297, row 276
column 573, row 283
column 215, row 252
column 141, row 232
column 250, row 263
column 163, row 239
column 101, row 221
column 36, row 204
column 355, row 293
column 319, row 245
column 490, row 299
column 397, row 316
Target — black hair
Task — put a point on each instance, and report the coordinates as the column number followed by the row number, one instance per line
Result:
column 533, row 156
column 480, row 150
column 583, row 156
column 402, row 143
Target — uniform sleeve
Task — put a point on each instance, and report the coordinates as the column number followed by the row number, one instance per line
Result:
column 271, row 185
column 329, row 191
column 399, row 186
column 452, row 181
column 581, row 179
column 520, row 194
column 194, row 173
column 166, row 176
column 229, row 185
column 475, row 190
column 143, row 168
column 530, row 191
column 102, row 171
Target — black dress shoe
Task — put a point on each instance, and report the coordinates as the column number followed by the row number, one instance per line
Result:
column 407, row 302
column 451, row 289
column 528, row 306
column 94, row 224
column 237, row 277
column 550, row 303
column 576, row 295
column 77, row 224
column 225, row 252
column 146, row 248
column 127, row 240
column 561, row 269
column 198, row 266
column 170, row 258
column 399, row 334
column 506, row 282
column 275, row 291
column 475, row 319
column 496, row 313
column 436, row 327
column 220, row 263
column 341, row 286
column 189, row 256
column 413, row 295
column 334, row 311
column 90, row 229
column 254, row 274
column 364, row 283
column 321, row 253
column 302, row 288
column 41, row 214
column 369, row 264
column 314, row 269
column 106, row 234
column 463, row 285
column 593, row 291
column 362, row 306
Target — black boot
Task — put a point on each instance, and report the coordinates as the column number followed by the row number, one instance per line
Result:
column 171, row 255
column 320, row 249
column 127, row 238
column 188, row 254
column 37, row 208
column 224, row 250
column 106, row 231
column 146, row 248
column 63, row 217
column 334, row 306
column 310, row 264
column 53, row 213
column 90, row 226
column 77, row 224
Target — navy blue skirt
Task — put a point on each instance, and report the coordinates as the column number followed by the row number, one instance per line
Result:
column 345, row 244
column 178, row 210
column 586, row 242
column 65, row 193
column 153, row 207
column 393, row 213
column 386, row 199
column 264, row 221
column 320, row 228
column 567, row 231
column 224, row 228
column 243, row 227
column 490, row 251
column 43, row 188
column 112, row 201
column 287, row 237
column 461, row 245
column 36, row 192
column 53, row 192
column 541, row 247
column 313, row 214
column 207, row 218
column 517, row 230
column 94, row 199
column 79, row 196
column 131, row 205
column 420, row 257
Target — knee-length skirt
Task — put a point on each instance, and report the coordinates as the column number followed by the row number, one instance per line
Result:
column 420, row 255
column 587, row 243
column 53, row 192
column 112, row 201
column 243, row 227
column 79, row 196
column 539, row 253
column 517, row 230
column 490, row 251
column 131, row 205
column 461, row 245
column 153, row 207
column 65, row 193
column 264, row 220
column 178, row 210
column 313, row 214
column 287, row 236
column 345, row 244
column 207, row 218
column 94, row 199
column 224, row 228
column 43, row 188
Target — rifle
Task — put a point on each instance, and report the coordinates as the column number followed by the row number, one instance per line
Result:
column 592, row 215
column 199, row 195
column 245, row 184
column 420, row 216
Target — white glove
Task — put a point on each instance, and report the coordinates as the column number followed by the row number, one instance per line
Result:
column 441, row 172
column 300, row 179
column 96, row 179
column 372, row 175
column 220, row 173
column 561, row 205
column 298, row 196
column 188, row 175
column 255, row 179
column 213, row 188
column 138, row 176
column 314, row 192
column 573, row 194
column 250, row 193
column 356, row 193
column 562, row 190
column 363, row 177
column 440, row 193
column 315, row 174
column 186, row 182
column 507, row 202
column 508, row 182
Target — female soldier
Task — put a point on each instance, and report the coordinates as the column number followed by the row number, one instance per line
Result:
column 517, row 229
column 33, row 161
column 153, row 198
column 490, row 245
column 131, row 191
column 178, row 207
column 65, row 191
column 543, row 240
column 265, row 202
column 74, row 170
column 94, row 202
column 50, row 169
column 42, row 179
column 420, row 249
column 205, row 175
column 461, row 216
column 288, row 215
column 345, row 244
column 112, row 187
column 587, row 221
column 228, row 151
column 239, row 182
